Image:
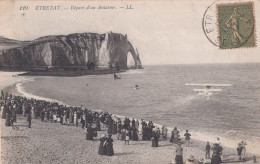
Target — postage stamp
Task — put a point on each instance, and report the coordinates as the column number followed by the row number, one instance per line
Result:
column 236, row 25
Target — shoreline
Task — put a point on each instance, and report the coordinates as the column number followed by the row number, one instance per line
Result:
column 198, row 144
column 63, row 73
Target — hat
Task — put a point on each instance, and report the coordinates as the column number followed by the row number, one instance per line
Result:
column 201, row 160
column 191, row 158
column 103, row 135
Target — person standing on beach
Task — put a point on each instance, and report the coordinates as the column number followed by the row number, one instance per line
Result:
column 123, row 134
column 2, row 94
column 135, row 135
column 140, row 130
column 243, row 152
column 187, row 138
column 109, row 146
column 127, row 136
column 164, row 132
column 82, row 119
column 75, row 118
column 137, row 124
column 207, row 156
column 42, row 115
column 155, row 137
column 4, row 112
column 24, row 110
column 2, row 109
column 215, row 158
column 89, row 132
column 239, row 150
column 29, row 119
column 133, row 123
column 119, row 129
column 8, row 117
column 179, row 153
column 114, row 126
column 102, row 145
column 14, row 113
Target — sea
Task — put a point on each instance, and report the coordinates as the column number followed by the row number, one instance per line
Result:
column 232, row 115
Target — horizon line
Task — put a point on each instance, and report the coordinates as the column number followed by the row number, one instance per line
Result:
column 199, row 63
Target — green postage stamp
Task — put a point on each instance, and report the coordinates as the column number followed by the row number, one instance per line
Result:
column 236, row 25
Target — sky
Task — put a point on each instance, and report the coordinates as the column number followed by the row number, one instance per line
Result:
column 165, row 32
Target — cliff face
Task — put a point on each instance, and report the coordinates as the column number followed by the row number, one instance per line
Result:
column 88, row 50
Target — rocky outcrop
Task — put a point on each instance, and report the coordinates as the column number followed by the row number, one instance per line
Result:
column 88, row 50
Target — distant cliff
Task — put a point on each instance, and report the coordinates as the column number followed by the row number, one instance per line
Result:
column 86, row 50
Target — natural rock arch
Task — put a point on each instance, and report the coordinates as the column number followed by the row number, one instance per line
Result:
column 130, row 49
column 130, row 61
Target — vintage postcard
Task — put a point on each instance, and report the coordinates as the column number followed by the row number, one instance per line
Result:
column 140, row 82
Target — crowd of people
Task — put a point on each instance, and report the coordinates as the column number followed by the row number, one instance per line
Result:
column 125, row 129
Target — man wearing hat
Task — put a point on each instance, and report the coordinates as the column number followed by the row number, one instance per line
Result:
column 179, row 151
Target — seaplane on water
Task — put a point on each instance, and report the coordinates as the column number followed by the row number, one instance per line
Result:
column 208, row 91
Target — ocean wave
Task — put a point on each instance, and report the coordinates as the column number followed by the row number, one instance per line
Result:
column 134, row 71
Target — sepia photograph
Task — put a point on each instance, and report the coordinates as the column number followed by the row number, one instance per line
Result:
column 130, row 82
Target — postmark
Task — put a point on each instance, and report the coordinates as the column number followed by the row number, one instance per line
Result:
column 209, row 24
column 232, row 25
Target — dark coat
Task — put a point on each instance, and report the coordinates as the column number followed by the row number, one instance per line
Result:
column 8, row 119
column 89, row 134
column 239, row 150
column 29, row 117
column 119, row 128
column 114, row 128
column 102, row 147
column 4, row 113
column 155, row 139
column 109, row 147
column 216, row 159
column 135, row 136
column 109, row 129
column 98, row 125
column 123, row 135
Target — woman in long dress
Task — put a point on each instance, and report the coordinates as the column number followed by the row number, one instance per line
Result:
column 114, row 127
column 2, row 109
column 102, row 145
column 135, row 136
column 71, row 116
column 98, row 124
column 33, row 113
column 55, row 117
column 75, row 118
column 8, row 118
column 140, row 130
column 4, row 112
column 64, row 119
column 89, row 133
column 127, row 138
column 109, row 147
column 123, row 135
column 24, row 110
